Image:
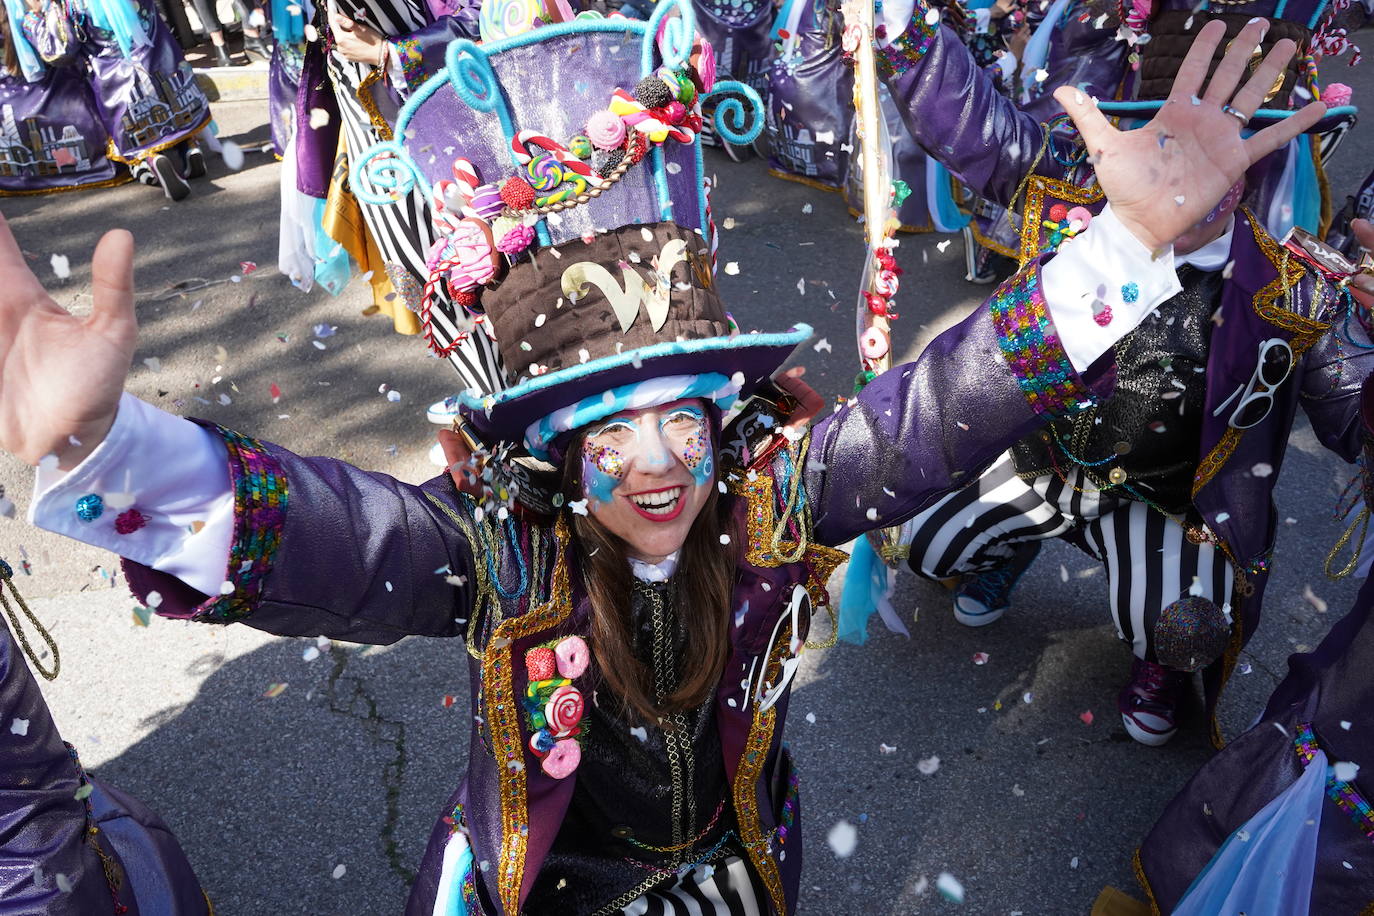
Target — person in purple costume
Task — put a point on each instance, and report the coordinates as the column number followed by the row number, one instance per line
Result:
column 1159, row 481
column 51, row 137
column 145, row 91
column 633, row 607
column 71, row 845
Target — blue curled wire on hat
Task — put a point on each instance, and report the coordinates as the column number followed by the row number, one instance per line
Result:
column 7, row 580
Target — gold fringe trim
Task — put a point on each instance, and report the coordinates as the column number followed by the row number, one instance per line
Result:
column 112, row 153
column 94, row 185
column 989, row 244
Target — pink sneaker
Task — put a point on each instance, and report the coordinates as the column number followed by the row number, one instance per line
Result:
column 1149, row 703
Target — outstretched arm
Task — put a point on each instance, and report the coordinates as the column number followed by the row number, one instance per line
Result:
column 223, row 527
column 1029, row 352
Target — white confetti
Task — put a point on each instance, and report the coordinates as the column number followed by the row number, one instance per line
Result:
column 1345, row 724
column 806, row 208
column 61, row 266
column 801, row 286
column 340, row 870
column 732, row 268
column 1346, row 770
column 153, row 363
column 843, row 839
column 724, row 539
column 811, row 718
column 318, row 118
column 226, row 587
column 232, row 154
column 641, row 733
column 884, row 748
column 1073, row 863
column 1311, row 598
column 822, row 344
column 154, row 600
column 1017, row 790
column 1262, row 470
column 929, row 766
column 942, row 246
column 949, row 887
column 19, row 727
column 393, row 396
column 578, row 506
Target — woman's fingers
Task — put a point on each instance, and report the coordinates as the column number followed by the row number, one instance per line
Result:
column 1266, row 75
column 1277, row 135
column 1092, row 125
column 1234, row 64
column 1193, row 70
column 21, row 286
column 112, row 287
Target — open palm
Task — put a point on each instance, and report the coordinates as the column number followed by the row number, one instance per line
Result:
column 60, row 375
column 1163, row 178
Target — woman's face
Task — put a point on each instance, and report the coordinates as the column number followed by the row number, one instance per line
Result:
column 647, row 473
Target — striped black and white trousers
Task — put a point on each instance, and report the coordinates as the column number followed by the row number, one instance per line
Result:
column 1150, row 562
column 727, row 889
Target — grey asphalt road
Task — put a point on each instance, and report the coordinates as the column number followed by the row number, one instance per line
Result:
column 319, row 800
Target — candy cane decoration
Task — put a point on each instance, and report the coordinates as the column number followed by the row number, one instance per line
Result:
column 525, row 139
column 635, row 115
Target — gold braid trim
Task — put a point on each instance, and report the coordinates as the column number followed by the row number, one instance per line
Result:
column 374, row 114
column 89, row 186
column 756, row 843
column 112, row 153
column 767, row 549
column 990, row 244
column 1144, row 882
column 1038, row 187
column 503, row 721
column 1306, row 332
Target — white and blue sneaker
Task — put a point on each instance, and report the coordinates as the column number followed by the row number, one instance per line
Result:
column 443, row 413
column 983, row 597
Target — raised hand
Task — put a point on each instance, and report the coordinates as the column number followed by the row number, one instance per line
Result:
column 61, row 376
column 1161, row 179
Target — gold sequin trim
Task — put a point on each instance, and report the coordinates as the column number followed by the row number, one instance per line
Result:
column 1306, row 332
column 756, row 843
column 761, row 521
column 503, row 719
column 1038, row 188
column 1144, row 882
column 112, row 153
column 364, row 93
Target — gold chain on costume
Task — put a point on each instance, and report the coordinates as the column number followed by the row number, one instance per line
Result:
column 7, row 578
column 365, row 99
column 1362, row 521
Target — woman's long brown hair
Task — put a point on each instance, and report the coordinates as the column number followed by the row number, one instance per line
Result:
column 705, row 581
column 10, row 59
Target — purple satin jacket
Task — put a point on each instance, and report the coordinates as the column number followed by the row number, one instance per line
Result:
column 958, row 116
column 321, row 547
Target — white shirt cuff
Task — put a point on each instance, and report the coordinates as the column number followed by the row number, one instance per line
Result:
column 172, row 473
column 1104, row 266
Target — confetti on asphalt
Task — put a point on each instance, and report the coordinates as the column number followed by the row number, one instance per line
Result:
column 273, row 691
column 340, row 870
column 843, row 839
column 806, row 208
column 1073, row 863
column 822, row 344
column 884, row 748
column 232, row 154
column 275, row 392
column 981, row 658
column 811, row 718
column 1087, row 717
column 1017, row 790
column 732, row 268
column 1311, row 598
column 949, row 887
column 153, row 363
column 928, row 766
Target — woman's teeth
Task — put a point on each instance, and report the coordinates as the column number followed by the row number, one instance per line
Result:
column 659, row 503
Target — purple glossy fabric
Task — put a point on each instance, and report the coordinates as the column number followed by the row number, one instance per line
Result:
column 283, row 85
column 148, row 101
column 383, row 540
column 316, row 147
column 1326, row 688
column 43, row 826
column 51, row 136
column 738, row 31
column 811, row 105
column 955, row 112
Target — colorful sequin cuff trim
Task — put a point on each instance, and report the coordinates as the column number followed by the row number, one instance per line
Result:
column 259, row 515
column 907, row 49
column 1346, row 796
column 407, row 51
column 1032, row 348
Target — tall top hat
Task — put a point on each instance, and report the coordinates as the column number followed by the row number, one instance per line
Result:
column 1166, row 29
column 565, row 171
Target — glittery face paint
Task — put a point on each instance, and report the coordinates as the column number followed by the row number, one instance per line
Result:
column 613, row 446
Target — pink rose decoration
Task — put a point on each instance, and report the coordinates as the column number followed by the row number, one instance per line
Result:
column 606, row 130
column 573, row 655
column 563, row 759
column 1337, row 94
column 564, row 710
column 516, row 240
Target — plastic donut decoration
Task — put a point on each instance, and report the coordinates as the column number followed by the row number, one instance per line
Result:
column 874, row 344
column 573, row 656
column 562, row 760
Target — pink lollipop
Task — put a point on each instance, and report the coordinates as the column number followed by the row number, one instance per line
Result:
column 563, row 759
column 573, row 656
